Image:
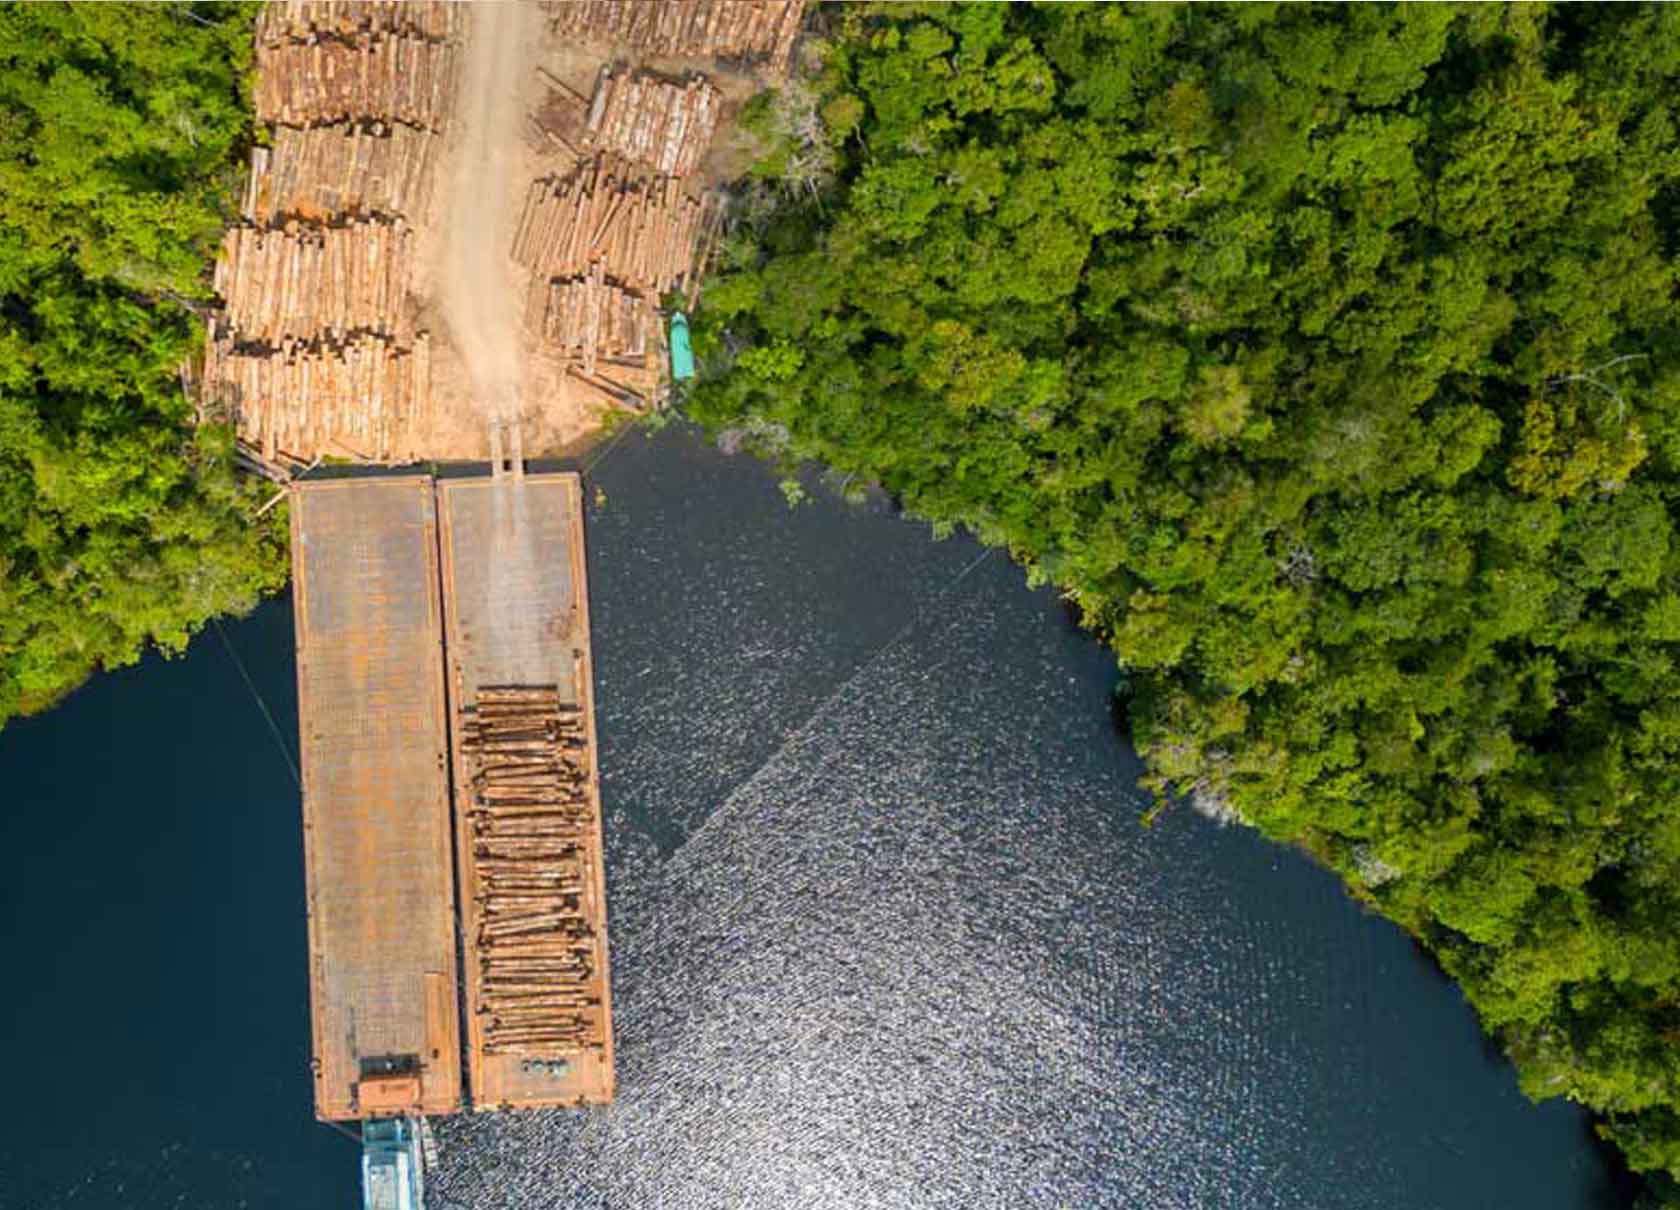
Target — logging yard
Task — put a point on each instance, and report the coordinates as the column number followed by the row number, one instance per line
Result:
column 474, row 213
column 462, row 240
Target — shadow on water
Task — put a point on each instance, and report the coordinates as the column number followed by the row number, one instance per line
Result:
column 886, row 930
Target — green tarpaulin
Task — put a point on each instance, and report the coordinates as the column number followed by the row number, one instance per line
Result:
column 682, row 354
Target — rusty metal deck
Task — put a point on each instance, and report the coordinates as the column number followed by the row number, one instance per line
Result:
column 516, row 613
column 377, row 833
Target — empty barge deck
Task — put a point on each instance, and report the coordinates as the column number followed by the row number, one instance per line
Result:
column 381, row 902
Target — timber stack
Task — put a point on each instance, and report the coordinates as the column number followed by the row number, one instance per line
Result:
column 314, row 83
column 609, row 337
column 645, row 231
column 604, row 245
column 537, row 958
column 641, row 117
column 310, row 20
column 306, row 281
column 378, row 169
column 608, row 239
column 746, row 31
column 365, row 397
column 315, row 350
column 589, row 318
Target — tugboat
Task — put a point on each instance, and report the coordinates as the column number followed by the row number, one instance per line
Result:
column 393, row 1177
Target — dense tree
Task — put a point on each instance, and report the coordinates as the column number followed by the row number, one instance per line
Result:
column 1327, row 358
column 120, row 525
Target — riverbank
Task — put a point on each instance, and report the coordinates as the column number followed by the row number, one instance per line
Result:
column 121, row 529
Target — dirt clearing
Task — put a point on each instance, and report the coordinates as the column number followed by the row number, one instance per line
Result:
column 478, row 281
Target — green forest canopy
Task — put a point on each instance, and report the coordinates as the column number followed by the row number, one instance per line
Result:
column 1327, row 358
column 120, row 525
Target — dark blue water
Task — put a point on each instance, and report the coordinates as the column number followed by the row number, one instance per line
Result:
column 886, row 930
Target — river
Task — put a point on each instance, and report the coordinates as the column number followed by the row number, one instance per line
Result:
column 886, row 930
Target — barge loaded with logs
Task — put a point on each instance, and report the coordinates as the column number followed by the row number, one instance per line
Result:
column 528, row 817
column 445, row 625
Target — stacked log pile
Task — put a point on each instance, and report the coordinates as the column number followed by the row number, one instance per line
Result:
column 366, row 396
column 377, row 169
column 303, row 281
column 645, row 232
column 532, row 819
column 756, row 31
column 588, row 318
column 606, row 242
column 313, row 353
column 394, row 79
column 654, row 121
column 302, row 20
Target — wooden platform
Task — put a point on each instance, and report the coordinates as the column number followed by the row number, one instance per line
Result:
column 383, row 985
column 517, row 623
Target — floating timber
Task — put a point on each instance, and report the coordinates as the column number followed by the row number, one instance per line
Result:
column 377, row 853
column 309, row 281
column 328, row 171
column 653, row 121
column 647, row 234
column 754, row 31
column 392, row 79
column 308, row 20
column 367, row 398
column 528, row 817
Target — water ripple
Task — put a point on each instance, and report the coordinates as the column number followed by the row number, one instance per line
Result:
column 887, row 932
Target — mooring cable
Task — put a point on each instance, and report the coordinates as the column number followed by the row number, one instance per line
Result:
column 916, row 619
column 608, row 448
column 274, row 727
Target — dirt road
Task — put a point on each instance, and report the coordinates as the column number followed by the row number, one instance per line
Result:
column 480, row 303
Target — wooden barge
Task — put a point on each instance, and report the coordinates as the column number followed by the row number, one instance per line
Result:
column 376, row 822
column 445, row 625
column 528, row 815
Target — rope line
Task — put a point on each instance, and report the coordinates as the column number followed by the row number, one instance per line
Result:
column 345, row 1131
column 916, row 619
column 608, row 448
column 273, row 727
